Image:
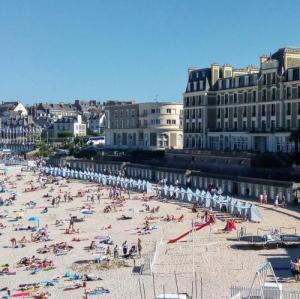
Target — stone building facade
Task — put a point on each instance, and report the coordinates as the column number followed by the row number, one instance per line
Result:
column 244, row 109
column 149, row 126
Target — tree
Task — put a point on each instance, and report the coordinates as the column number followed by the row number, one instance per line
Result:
column 295, row 138
column 44, row 150
column 65, row 135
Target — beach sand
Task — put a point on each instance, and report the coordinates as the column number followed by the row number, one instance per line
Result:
column 217, row 260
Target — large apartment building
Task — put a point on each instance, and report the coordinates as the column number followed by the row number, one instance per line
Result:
column 226, row 108
column 150, row 126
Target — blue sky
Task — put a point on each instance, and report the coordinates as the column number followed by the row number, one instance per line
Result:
column 53, row 50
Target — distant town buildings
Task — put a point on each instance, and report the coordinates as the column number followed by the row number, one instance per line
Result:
column 149, row 126
column 16, row 126
column 246, row 109
column 97, row 123
column 68, row 127
column 54, row 111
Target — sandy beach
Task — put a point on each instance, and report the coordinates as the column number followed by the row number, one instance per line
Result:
column 216, row 257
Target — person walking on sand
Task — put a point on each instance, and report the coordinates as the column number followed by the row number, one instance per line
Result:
column 116, row 252
column 139, row 246
column 71, row 226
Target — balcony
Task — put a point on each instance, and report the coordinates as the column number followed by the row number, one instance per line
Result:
column 192, row 131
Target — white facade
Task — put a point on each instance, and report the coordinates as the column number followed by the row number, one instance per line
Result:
column 69, row 125
column 149, row 126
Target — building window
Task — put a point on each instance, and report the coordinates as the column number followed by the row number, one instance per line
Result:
column 226, row 113
column 173, row 121
column 273, row 78
column 187, row 100
column 263, row 125
column 273, row 109
column 219, row 113
column 298, row 108
column 193, row 113
column 193, row 102
column 169, row 111
column 288, row 124
column 273, row 124
column 245, row 97
column 288, row 92
column 226, row 125
column 244, row 125
column 298, row 92
column 235, row 112
column 219, row 100
column 273, row 94
column 263, row 110
column 200, row 100
column 235, row 98
column 254, row 111
column 244, row 111
column 226, row 99
column 254, row 96
column 235, row 125
column 288, row 109
column 152, row 111
column 264, row 95
column 264, row 79
column 253, row 124
column 199, row 113
column 168, row 121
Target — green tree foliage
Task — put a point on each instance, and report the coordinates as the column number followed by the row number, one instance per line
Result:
column 44, row 150
column 65, row 135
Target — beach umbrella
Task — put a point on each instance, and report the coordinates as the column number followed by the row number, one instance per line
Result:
column 34, row 219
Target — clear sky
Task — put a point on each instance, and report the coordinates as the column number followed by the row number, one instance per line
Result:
column 52, row 50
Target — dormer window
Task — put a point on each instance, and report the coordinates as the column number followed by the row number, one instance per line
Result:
column 195, row 85
column 290, row 75
column 201, row 85
column 227, row 83
column 220, row 84
column 236, row 82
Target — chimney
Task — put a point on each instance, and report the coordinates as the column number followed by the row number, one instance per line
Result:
column 263, row 58
column 215, row 73
column 227, row 71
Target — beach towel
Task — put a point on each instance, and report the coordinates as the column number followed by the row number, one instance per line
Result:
column 99, row 292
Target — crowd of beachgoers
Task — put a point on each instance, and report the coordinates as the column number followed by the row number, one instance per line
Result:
column 71, row 237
